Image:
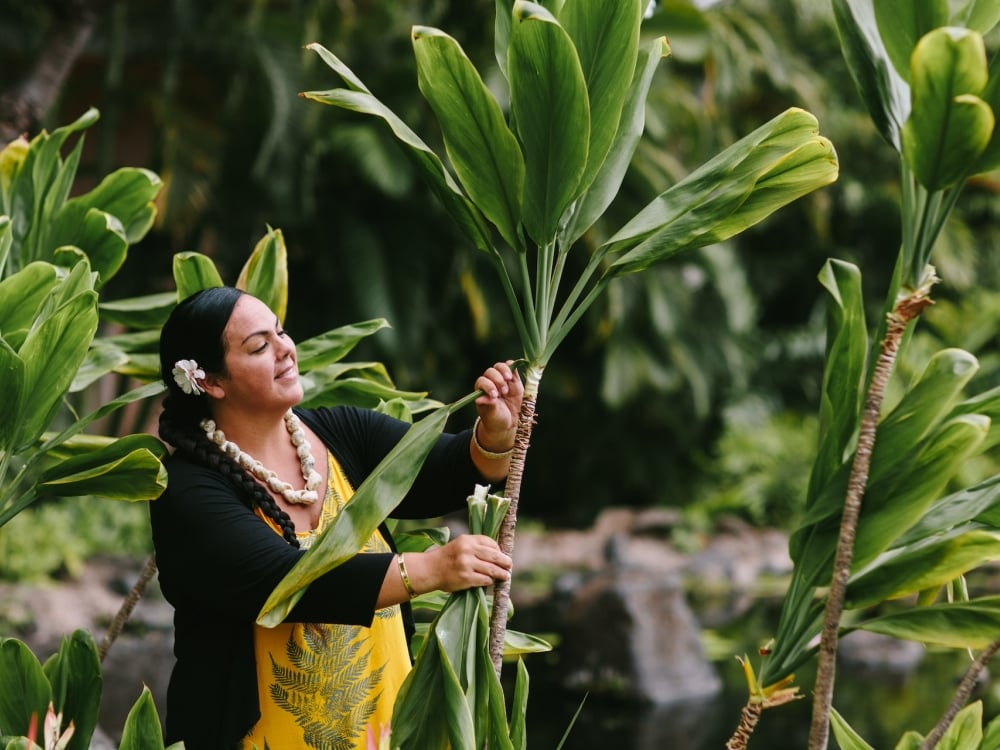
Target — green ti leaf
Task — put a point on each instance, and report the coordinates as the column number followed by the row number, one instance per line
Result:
column 482, row 149
column 550, row 108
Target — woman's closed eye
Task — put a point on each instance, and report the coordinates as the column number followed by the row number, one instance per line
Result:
column 281, row 332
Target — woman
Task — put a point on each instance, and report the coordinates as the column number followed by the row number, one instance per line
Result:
column 250, row 483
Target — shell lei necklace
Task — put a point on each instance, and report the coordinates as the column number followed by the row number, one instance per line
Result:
column 274, row 483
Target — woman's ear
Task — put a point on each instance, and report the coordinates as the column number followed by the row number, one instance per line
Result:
column 211, row 386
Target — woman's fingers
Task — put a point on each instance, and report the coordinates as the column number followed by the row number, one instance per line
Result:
column 471, row 560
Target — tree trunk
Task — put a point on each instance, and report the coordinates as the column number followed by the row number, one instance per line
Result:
column 902, row 314
column 512, row 490
column 961, row 696
column 23, row 107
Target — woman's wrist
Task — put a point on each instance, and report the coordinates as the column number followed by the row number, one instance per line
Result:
column 487, row 449
column 405, row 576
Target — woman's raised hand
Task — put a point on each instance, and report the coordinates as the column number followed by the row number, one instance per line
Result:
column 499, row 406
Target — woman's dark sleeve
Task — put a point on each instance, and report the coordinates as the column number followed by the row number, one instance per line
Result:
column 215, row 555
column 361, row 438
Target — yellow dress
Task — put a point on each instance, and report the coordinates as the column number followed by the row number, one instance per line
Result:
column 328, row 686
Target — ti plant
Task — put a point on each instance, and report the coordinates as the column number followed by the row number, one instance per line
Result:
column 923, row 75
column 452, row 697
column 524, row 183
column 66, row 691
column 56, row 253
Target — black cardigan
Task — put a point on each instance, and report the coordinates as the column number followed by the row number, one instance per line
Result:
column 218, row 563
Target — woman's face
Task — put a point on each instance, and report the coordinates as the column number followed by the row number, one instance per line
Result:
column 261, row 365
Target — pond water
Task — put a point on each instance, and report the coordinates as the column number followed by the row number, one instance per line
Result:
column 881, row 707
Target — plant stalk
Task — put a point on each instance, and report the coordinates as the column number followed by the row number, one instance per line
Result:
column 905, row 310
column 749, row 717
column 512, row 490
column 125, row 611
column 962, row 694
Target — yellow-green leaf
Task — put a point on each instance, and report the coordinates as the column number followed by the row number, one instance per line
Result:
column 950, row 126
column 265, row 274
column 194, row 272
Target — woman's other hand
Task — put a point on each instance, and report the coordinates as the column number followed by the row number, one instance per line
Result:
column 467, row 561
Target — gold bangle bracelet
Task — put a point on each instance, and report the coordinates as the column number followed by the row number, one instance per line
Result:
column 403, row 574
column 489, row 454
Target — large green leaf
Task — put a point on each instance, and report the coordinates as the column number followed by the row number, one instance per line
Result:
column 359, row 99
column 844, row 372
column 332, row 346
column 11, row 406
column 991, row 734
column 927, row 565
column 887, row 514
column 412, row 725
column 775, row 164
column 482, row 149
column 148, row 391
column 24, row 689
column 501, row 32
column 898, row 493
column 519, row 708
column 265, row 274
column 990, row 158
column 971, row 624
column 41, row 186
column 21, row 295
column 847, row 738
column 147, row 312
column 101, row 359
column 374, row 499
column 606, row 37
column 128, row 469
column 74, row 672
column 12, row 157
column 142, row 725
column 6, row 237
column 901, row 23
column 368, row 386
column 127, row 194
column 52, row 352
column 105, row 221
column 901, row 436
column 883, row 91
column 550, row 109
column 926, row 402
column 965, row 731
column 100, row 236
column 194, row 272
column 950, row 125
column 896, row 499
column 910, row 741
column 979, row 15
column 604, row 187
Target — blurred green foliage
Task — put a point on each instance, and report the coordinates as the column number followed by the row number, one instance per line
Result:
column 55, row 538
column 637, row 408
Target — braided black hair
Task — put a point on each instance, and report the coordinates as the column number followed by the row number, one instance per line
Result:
column 194, row 330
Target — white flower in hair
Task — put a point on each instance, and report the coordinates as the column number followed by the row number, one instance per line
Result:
column 187, row 374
